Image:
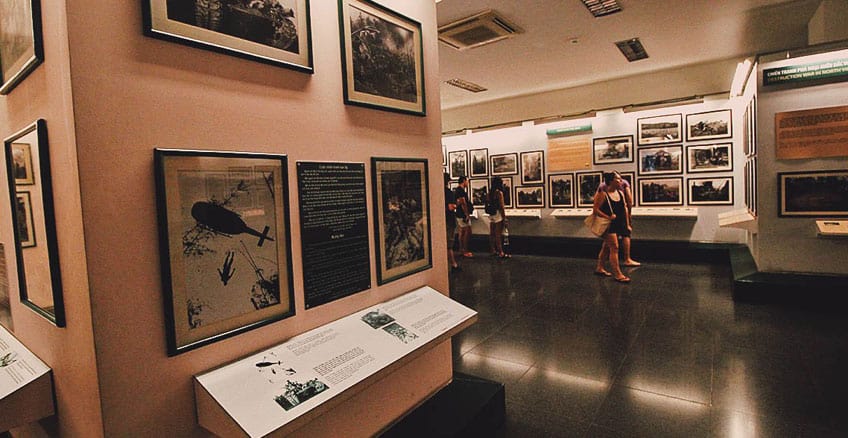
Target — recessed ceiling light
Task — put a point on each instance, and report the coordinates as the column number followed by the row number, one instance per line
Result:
column 632, row 49
column 465, row 85
column 599, row 8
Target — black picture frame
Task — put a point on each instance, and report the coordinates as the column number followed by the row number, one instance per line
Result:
column 710, row 191
column 613, row 150
column 478, row 163
column 394, row 86
column 530, row 197
column 503, row 164
column 48, row 303
column 712, row 157
column 26, row 223
column 401, row 205
column 561, row 190
column 508, row 184
column 661, row 191
column 661, row 160
column 533, row 168
column 20, row 41
column 458, row 163
column 630, row 177
column 478, row 191
column 223, row 272
column 22, row 160
column 709, row 125
column 587, row 186
column 818, row 193
column 665, row 129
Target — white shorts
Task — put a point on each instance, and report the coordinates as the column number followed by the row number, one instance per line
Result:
column 495, row 218
column 460, row 223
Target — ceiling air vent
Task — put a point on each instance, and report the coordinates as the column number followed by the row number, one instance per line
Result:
column 465, row 85
column 600, row 8
column 632, row 49
column 477, row 30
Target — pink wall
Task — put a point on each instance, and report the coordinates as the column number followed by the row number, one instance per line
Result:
column 131, row 94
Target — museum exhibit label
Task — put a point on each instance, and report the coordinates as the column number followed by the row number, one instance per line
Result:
column 26, row 384
column 334, row 230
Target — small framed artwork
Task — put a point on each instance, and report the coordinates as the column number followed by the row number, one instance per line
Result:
column 479, row 191
column 815, row 193
column 630, row 177
column 659, row 129
column 752, row 131
column 709, row 158
column 444, row 156
column 561, row 190
column 587, row 186
column 21, row 46
column 611, row 150
column 402, row 217
column 458, row 162
column 504, row 164
column 709, row 125
column 507, row 191
column 533, row 168
column 754, row 191
column 225, row 242
column 661, row 160
column 529, row 197
column 25, row 223
column 270, row 32
column 710, row 191
column 660, row 191
column 382, row 58
column 479, row 162
column 22, row 164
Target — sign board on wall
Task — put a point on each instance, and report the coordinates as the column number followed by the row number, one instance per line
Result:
column 836, row 69
column 572, row 151
column 816, row 133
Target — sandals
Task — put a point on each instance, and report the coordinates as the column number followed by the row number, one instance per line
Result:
column 603, row 273
column 505, row 256
column 622, row 279
column 468, row 255
column 632, row 264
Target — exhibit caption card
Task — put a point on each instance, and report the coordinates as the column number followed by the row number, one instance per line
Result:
column 267, row 390
column 18, row 366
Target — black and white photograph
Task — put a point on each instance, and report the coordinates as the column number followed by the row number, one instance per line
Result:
column 22, row 164
column 532, row 167
column 406, row 336
column 660, row 129
column 709, row 158
column 377, row 318
column 611, row 150
column 507, row 191
column 270, row 31
column 402, row 217
column 26, row 226
column 458, row 163
column 709, row 125
column 504, row 164
column 479, row 162
column 661, row 160
column 21, row 46
column 225, row 240
column 711, row 191
column 529, row 197
column 561, row 190
column 382, row 58
column 299, row 392
column 660, row 192
column 479, row 191
column 587, row 186
column 816, row 193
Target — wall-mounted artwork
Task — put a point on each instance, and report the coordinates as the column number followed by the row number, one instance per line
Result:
column 272, row 32
column 402, row 217
column 709, row 125
column 611, row 150
column 507, row 192
column 533, row 167
column 25, row 224
column 661, row 160
column 660, row 129
column 630, row 177
column 479, row 162
column 561, row 190
column 587, row 186
column 709, row 158
column 21, row 47
column 382, row 58
column 529, row 197
column 458, row 164
column 660, row 191
column 479, row 192
column 225, row 243
column 504, row 164
column 22, row 164
column 814, row 193
column 710, row 191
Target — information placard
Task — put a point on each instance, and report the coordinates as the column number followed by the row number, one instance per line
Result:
column 334, row 230
column 815, row 133
column 18, row 366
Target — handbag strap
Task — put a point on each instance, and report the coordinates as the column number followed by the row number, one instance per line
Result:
column 606, row 195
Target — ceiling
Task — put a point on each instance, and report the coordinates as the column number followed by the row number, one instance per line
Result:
column 675, row 33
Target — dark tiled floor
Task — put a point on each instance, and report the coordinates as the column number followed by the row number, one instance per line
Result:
column 669, row 355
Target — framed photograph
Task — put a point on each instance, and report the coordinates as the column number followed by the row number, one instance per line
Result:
column 479, row 162
column 709, row 158
column 561, row 190
column 587, row 186
column 22, row 164
column 659, row 129
column 709, row 125
column 21, row 47
column 444, row 156
column 458, row 162
column 816, row 193
column 711, row 191
column 529, row 197
column 274, row 32
column 611, row 150
column 533, row 168
column 507, row 192
column 225, row 242
column 754, row 185
column 402, row 217
column 382, row 58
column 34, row 223
column 661, row 160
column 752, row 129
column 25, row 223
column 479, row 191
column 504, row 164
column 660, row 191
column 630, row 177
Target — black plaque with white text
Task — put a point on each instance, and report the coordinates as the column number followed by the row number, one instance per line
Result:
column 334, row 230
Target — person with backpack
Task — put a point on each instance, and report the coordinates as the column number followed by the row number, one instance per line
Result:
column 497, row 217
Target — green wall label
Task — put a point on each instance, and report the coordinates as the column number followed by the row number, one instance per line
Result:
column 806, row 72
column 569, row 130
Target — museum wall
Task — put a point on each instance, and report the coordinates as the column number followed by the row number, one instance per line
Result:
column 132, row 94
column 69, row 351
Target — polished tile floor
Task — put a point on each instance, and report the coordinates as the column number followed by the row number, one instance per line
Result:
column 670, row 354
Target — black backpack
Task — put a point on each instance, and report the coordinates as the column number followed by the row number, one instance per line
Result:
column 491, row 207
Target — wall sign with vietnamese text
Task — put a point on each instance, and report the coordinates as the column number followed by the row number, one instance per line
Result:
column 816, row 133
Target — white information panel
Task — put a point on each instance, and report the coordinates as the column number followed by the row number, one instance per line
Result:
column 18, row 366
column 267, row 390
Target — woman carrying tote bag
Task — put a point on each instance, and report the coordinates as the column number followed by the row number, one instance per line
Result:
column 610, row 205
